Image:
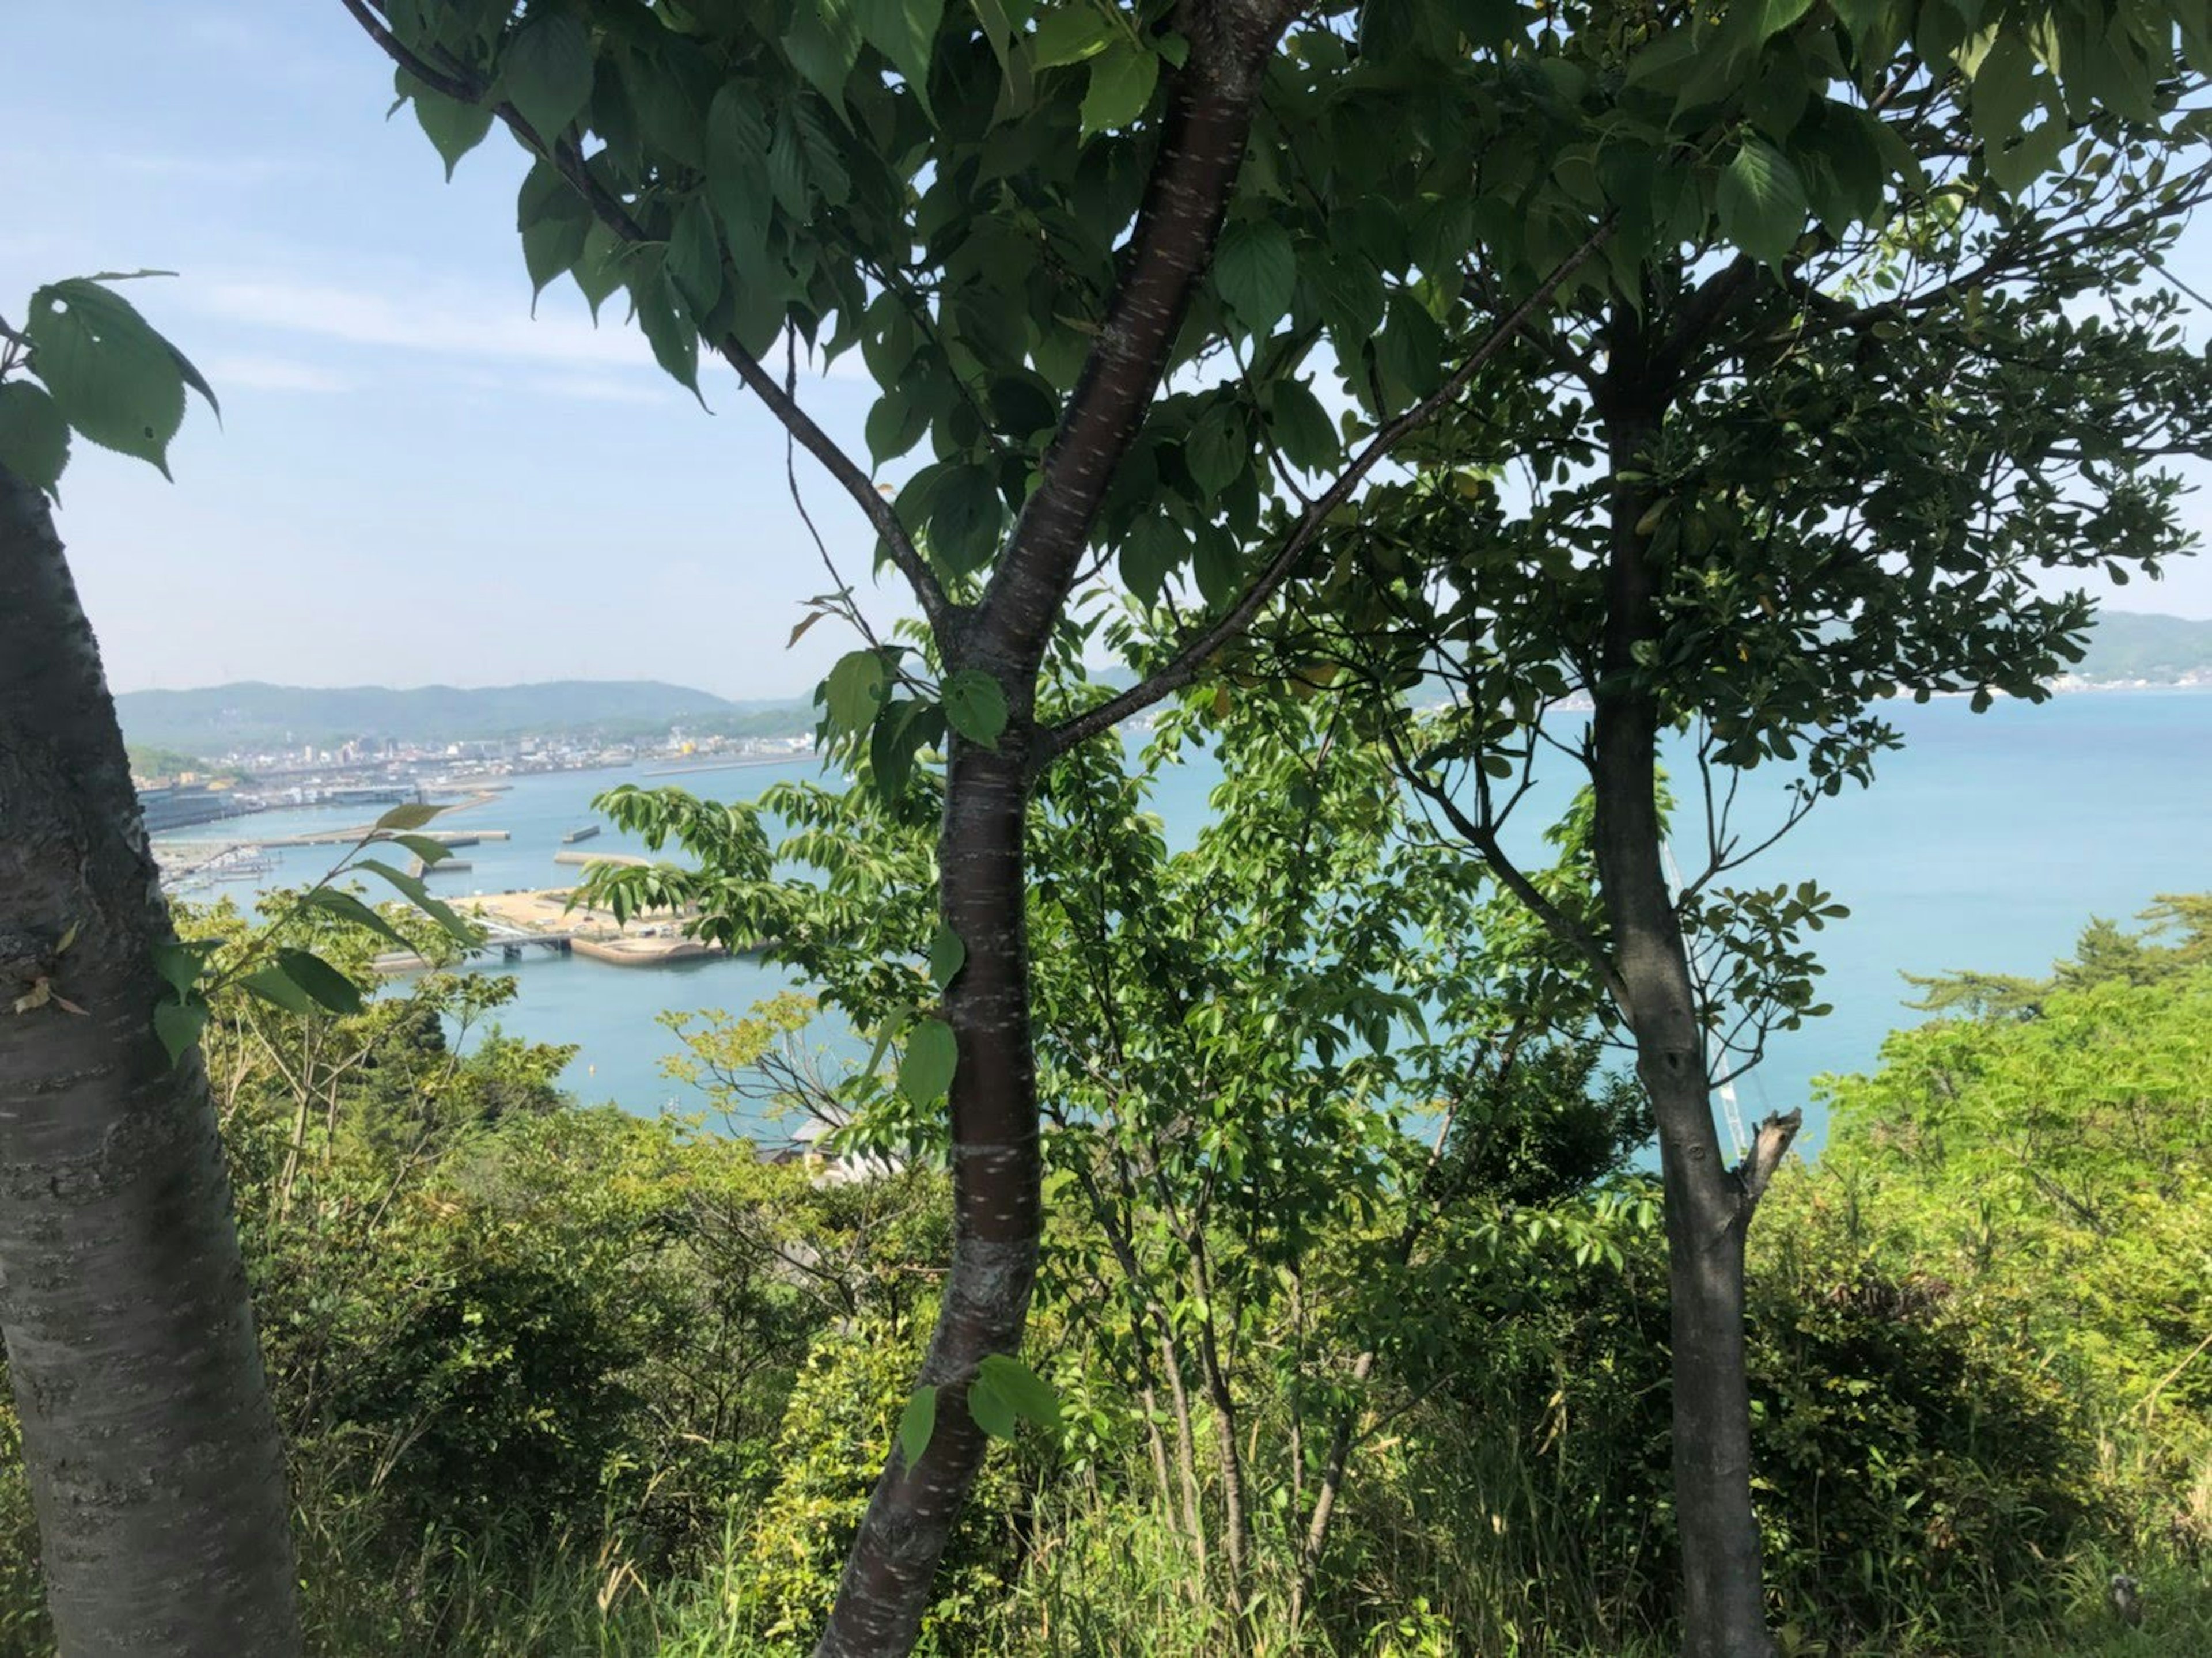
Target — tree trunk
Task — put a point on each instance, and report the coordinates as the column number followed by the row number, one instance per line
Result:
column 1707, row 1206
column 155, row 1463
column 997, row 1204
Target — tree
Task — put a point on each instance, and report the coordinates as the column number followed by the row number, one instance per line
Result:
column 1026, row 232
column 1759, row 494
column 155, row 1461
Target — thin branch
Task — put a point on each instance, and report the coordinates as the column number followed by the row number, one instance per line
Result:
column 1770, row 1144
column 1191, row 659
column 608, row 208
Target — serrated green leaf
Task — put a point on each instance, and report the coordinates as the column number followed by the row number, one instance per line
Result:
column 452, row 127
column 416, row 894
column 993, row 1411
column 824, row 43
column 1255, row 271
column 926, row 1068
column 1077, row 30
column 1033, row 1397
column 34, row 437
column 947, row 955
column 965, row 517
column 429, row 851
column 274, row 986
column 904, row 31
column 1121, row 82
column 554, row 221
column 1761, row 202
column 917, row 1425
column 1302, row 428
column 113, row 378
column 347, row 908
column 1217, row 451
column 180, row 965
column 179, row 1025
column 854, row 692
column 1154, row 548
column 695, row 256
column 546, row 72
column 976, row 705
column 668, row 329
column 329, row 988
column 409, row 815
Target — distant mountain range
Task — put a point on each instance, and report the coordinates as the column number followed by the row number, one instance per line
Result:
column 251, row 717
column 2137, row 644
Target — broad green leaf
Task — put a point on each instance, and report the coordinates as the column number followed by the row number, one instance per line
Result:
column 668, row 330
column 824, row 43
column 1077, row 30
column 429, row 851
column 1154, row 548
column 695, row 256
column 2003, row 89
column 854, row 689
column 927, row 1067
column 1217, row 451
column 1303, row 429
column 965, row 516
column 347, row 908
column 1761, row 202
column 946, row 957
column 993, row 1411
column 419, row 896
column 113, row 378
column 1033, row 1397
column 976, row 705
column 1255, row 271
column 917, row 1425
column 179, row 1025
column 452, row 127
column 599, row 268
column 329, row 986
column 554, row 221
column 34, row 437
column 904, row 31
column 1769, row 17
column 274, row 986
column 546, row 72
column 180, row 965
column 1121, row 82
column 409, row 815
column 737, row 171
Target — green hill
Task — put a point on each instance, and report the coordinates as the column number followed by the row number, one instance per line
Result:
column 2135, row 645
column 251, row 716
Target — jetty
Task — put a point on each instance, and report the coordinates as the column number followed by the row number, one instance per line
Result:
column 515, row 924
column 576, row 835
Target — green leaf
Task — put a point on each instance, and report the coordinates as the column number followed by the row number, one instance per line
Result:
column 179, row 1025
column 965, row 516
column 452, row 127
column 114, row 379
column 737, row 171
column 419, row 896
column 1255, row 271
column 1771, row 17
column 927, row 1067
column 329, row 986
column 974, row 706
column 824, row 43
column 1762, row 202
column 946, row 957
column 695, row 256
column 34, row 437
column 668, row 330
column 546, row 72
column 1122, row 82
column 1154, row 548
column 854, row 689
column 917, row 1423
column 347, row 908
column 409, row 815
column 904, row 31
column 2003, row 89
column 554, row 221
column 1303, row 429
column 429, row 851
column 993, row 1411
column 1217, row 451
column 180, row 965
column 1077, row 30
column 1033, row 1397
column 274, row 986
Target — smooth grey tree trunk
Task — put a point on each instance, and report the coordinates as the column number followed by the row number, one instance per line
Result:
column 155, row 1463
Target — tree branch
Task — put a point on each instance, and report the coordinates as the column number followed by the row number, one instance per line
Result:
column 1770, row 1144
column 608, row 208
column 1191, row 658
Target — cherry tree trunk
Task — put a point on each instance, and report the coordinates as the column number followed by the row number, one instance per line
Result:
column 155, row 1463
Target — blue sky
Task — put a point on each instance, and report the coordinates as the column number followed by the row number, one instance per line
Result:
column 414, row 482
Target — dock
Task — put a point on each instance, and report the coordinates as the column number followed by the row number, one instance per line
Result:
column 517, row 923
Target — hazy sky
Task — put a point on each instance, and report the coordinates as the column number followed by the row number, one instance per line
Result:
column 414, row 482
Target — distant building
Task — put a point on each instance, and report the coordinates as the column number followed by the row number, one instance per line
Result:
column 184, row 803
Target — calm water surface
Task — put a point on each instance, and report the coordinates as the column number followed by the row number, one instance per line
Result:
column 1985, row 844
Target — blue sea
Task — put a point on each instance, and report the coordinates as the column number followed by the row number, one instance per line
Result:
column 1985, row 843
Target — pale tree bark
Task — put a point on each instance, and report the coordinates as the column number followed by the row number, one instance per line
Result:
column 155, row 1463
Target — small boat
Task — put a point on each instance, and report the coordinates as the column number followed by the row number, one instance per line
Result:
column 576, row 835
